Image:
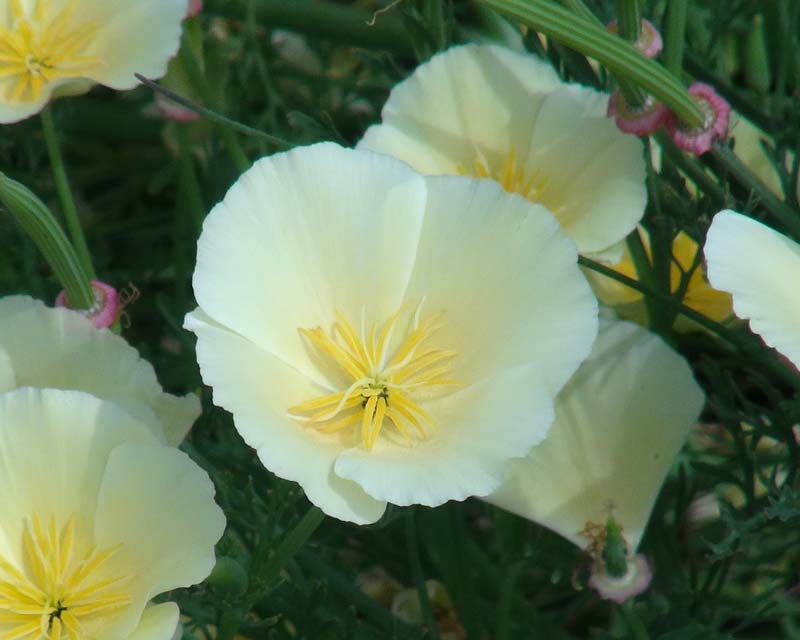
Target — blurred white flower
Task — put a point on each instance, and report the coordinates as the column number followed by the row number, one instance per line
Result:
column 380, row 336
column 59, row 348
column 97, row 518
column 761, row 269
column 50, row 48
column 489, row 112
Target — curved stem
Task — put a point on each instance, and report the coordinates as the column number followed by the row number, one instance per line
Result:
column 68, row 207
column 619, row 57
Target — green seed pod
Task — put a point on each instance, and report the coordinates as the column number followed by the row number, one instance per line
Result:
column 756, row 58
column 228, row 577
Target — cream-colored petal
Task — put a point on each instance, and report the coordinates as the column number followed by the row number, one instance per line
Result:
column 159, row 506
column 619, row 424
column 491, row 112
column 258, row 389
column 159, row 622
column 468, row 98
column 303, row 234
column 506, row 277
column 478, row 431
column 8, row 380
column 61, row 349
column 133, row 37
column 595, row 175
column 54, row 446
column 761, row 269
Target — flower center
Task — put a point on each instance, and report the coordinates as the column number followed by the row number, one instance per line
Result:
column 39, row 48
column 57, row 588
column 389, row 377
column 535, row 186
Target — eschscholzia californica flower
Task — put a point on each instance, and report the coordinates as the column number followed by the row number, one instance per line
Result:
column 489, row 112
column 620, row 421
column 97, row 518
column 60, row 348
column 51, row 48
column 760, row 268
column 381, row 336
column 686, row 274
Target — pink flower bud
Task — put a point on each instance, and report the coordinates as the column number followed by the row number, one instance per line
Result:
column 640, row 121
column 649, row 42
column 103, row 313
column 195, row 7
column 716, row 113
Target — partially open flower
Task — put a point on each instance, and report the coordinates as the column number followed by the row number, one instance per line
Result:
column 97, row 517
column 761, row 269
column 104, row 312
column 716, row 114
column 44, row 347
column 50, row 48
column 641, row 121
column 620, row 422
column 380, row 336
column 649, row 43
column 489, row 112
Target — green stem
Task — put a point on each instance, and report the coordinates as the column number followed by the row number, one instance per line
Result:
column 40, row 224
column 629, row 20
column 198, row 80
column 744, row 345
column 620, row 57
column 675, row 36
column 336, row 22
column 503, row 630
column 644, row 270
column 188, row 180
column 787, row 216
column 634, row 623
column 579, row 7
column 291, row 544
column 68, row 207
column 419, row 577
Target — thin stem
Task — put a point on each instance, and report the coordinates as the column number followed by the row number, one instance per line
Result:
column 741, row 343
column 419, row 577
column 620, row 57
column 68, row 207
column 215, row 117
column 644, row 270
column 675, row 36
column 198, row 80
column 291, row 544
column 787, row 216
column 503, row 630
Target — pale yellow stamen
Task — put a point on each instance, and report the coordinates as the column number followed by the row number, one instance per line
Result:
column 514, row 178
column 42, row 46
column 383, row 378
column 57, row 588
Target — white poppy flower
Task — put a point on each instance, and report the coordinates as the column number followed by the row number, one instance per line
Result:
column 380, row 336
column 620, row 421
column 57, row 47
column 761, row 269
column 59, row 348
column 97, row 517
column 489, row 112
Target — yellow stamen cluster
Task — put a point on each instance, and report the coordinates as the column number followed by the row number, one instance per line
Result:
column 513, row 177
column 56, row 589
column 384, row 378
column 39, row 48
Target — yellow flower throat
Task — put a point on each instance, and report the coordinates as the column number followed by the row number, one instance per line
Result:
column 40, row 47
column 57, row 588
column 386, row 382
